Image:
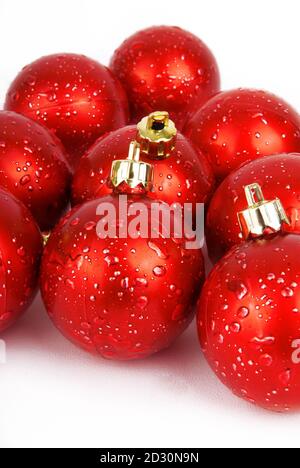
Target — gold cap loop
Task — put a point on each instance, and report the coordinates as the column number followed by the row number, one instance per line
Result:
column 157, row 135
column 132, row 171
column 261, row 215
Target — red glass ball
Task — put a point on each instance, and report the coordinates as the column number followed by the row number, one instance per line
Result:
column 120, row 298
column 249, row 321
column 238, row 126
column 20, row 252
column 166, row 68
column 184, row 177
column 278, row 177
column 33, row 167
column 73, row 95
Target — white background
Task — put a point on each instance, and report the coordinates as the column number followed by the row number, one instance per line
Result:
column 51, row 393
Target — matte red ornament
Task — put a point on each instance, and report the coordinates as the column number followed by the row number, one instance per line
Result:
column 278, row 174
column 33, row 167
column 185, row 176
column 20, row 252
column 165, row 67
column 73, row 95
column 249, row 320
column 122, row 298
column 238, row 126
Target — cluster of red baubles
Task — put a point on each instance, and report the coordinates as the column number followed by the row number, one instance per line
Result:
column 66, row 120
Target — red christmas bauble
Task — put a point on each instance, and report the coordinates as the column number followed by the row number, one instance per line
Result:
column 122, row 298
column 33, row 167
column 277, row 174
column 239, row 126
column 184, row 177
column 20, row 252
column 167, row 68
column 249, row 321
column 73, row 95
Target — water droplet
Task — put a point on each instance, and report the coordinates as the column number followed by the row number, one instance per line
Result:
column 51, row 96
column 21, row 252
column 159, row 271
column 240, row 289
column 125, row 283
column 111, row 260
column 142, row 302
column 235, row 327
column 287, row 292
column 70, row 283
column 15, row 96
column 266, row 360
column 220, row 339
column 243, row 312
column 30, row 80
column 90, row 226
column 85, row 326
column 75, row 222
column 285, row 377
column 271, row 277
column 240, row 256
column 141, row 282
column 25, row 179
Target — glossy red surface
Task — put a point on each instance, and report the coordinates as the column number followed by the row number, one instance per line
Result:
column 33, row 167
column 73, row 95
column 279, row 178
column 249, row 322
column 20, row 252
column 184, row 177
column 120, row 298
column 166, row 68
column 241, row 125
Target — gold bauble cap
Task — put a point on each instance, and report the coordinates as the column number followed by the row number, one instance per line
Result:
column 132, row 171
column 261, row 215
column 156, row 134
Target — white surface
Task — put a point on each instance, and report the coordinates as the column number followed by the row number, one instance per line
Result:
column 52, row 394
